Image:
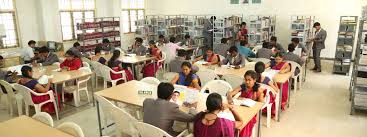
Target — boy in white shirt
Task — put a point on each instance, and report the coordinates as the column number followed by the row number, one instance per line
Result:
column 28, row 51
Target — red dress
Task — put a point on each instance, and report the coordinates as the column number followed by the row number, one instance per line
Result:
column 247, row 130
column 285, row 85
column 150, row 69
column 74, row 64
column 116, row 66
column 210, row 59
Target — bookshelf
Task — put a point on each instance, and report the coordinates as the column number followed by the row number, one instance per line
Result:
column 226, row 27
column 91, row 32
column 261, row 28
column 344, row 46
column 301, row 28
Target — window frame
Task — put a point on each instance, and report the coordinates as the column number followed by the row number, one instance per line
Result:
column 71, row 12
column 15, row 24
column 129, row 9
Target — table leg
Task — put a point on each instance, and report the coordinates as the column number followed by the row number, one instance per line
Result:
column 259, row 124
column 99, row 119
column 57, row 100
column 94, row 87
column 280, row 101
column 289, row 90
column 133, row 71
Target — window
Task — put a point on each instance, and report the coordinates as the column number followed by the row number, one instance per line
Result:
column 132, row 10
column 70, row 13
column 8, row 19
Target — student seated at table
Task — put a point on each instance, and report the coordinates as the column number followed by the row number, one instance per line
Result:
column 161, row 41
column 7, row 76
column 97, row 55
column 138, row 48
column 275, row 46
column 151, row 68
column 76, row 49
column 162, row 112
column 28, row 51
column 244, row 49
column 188, row 41
column 265, row 51
column 249, row 90
column 71, row 62
column 170, row 49
column 208, row 124
column 303, row 48
column 223, row 48
column 186, row 77
column 283, row 67
column 259, row 69
column 31, row 83
column 290, row 56
column 209, row 56
column 234, row 58
column 116, row 65
column 46, row 57
column 108, row 46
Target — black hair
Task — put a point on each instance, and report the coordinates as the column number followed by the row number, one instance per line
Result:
column 115, row 56
column 151, row 42
column 223, row 40
column 188, row 79
column 243, row 23
column 316, row 24
column 291, row 47
column 31, row 42
column 165, row 90
column 176, row 92
column 76, row 44
column 181, row 53
column 160, row 36
column 25, row 71
column 273, row 38
column 266, row 44
column 105, row 41
column 137, row 39
column 98, row 49
column 209, row 48
column 172, row 39
column 279, row 54
column 43, row 49
column 1, row 57
column 243, row 42
column 187, row 36
column 259, row 68
column 214, row 102
column 71, row 53
column 233, row 49
column 295, row 40
column 253, row 75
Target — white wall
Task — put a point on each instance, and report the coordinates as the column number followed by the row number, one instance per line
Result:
column 327, row 12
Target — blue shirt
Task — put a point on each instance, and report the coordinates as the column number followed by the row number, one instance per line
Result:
column 245, row 51
column 182, row 78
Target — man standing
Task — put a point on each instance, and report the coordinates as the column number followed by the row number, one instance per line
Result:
column 318, row 45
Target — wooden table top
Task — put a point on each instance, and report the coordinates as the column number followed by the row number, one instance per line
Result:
column 128, row 93
column 58, row 76
column 24, row 126
column 130, row 59
column 281, row 78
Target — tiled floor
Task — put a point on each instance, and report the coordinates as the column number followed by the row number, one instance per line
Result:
column 320, row 109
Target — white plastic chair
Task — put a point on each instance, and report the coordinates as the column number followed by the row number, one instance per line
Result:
column 234, row 80
column 44, row 118
column 105, row 70
column 217, row 86
column 162, row 62
column 167, row 77
column 71, row 128
column 256, row 48
column 221, row 58
column 106, row 108
column 26, row 93
column 85, row 64
column 151, row 80
column 11, row 98
column 268, row 105
column 82, row 85
column 125, row 123
column 206, row 76
column 264, row 60
column 96, row 66
column 295, row 78
column 147, row 130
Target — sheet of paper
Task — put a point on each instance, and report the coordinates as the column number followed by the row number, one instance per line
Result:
column 248, row 103
column 270, row 73
column 17, row 69
column 226, row 115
